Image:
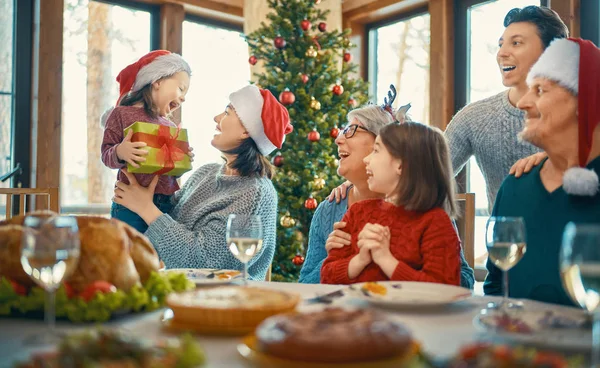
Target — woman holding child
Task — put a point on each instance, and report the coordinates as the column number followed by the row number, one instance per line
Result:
column 192, row 234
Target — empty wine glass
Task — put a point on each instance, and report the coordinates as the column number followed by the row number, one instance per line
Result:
column 49, row 254
column 244, row 238
column 580, row 274
column 506, row 245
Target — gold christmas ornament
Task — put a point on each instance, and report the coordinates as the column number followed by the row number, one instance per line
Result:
column 287, row 221
column 299, row 236
column 314, row 104
column 319, row 183
column 311, row 52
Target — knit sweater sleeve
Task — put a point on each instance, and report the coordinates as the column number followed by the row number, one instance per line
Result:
column 493, row 280
column 335, row 266
column 113, row 135
column 458, row 134
column 320, row 226
column 180, row 246
column 440, row 249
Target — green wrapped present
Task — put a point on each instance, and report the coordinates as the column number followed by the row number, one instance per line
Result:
column 167, row 149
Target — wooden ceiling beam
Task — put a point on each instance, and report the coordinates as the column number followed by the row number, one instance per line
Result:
column 368, row 11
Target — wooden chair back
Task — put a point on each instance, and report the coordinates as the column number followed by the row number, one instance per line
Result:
column 466, row 225
column 23, row 193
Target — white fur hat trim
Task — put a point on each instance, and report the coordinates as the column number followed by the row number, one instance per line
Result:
column 581, row 182
column 559, row 63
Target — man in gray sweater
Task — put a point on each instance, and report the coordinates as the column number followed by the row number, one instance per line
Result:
column 488, row 129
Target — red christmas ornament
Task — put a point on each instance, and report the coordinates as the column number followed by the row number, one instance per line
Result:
column 347, row 57
column 298, row 260
column 287, row 97
column 252, row 60
column 304, row 78
column 322, row 26
column 277, row 160
column 279, row 42
column 334, row 132
column 352, row 102
column 314, row 136
column 310, row 203
column 337, row 89
column 305, row 25
column 317, row 2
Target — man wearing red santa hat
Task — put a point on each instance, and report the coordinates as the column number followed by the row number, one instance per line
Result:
column 192, row 235
column 562, row 118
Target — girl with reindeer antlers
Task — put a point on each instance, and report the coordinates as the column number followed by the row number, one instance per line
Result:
column 407, row 235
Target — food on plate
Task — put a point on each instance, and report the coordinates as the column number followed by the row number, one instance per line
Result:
column 117, row 272
column 227, row 275
column 111, row 251
column 104, row 349
column 486, row 355
column 374, row 288
column 334, row 335
column 235, row 307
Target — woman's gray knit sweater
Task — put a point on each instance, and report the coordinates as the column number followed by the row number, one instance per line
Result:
column 193, row 234
column 488, row 130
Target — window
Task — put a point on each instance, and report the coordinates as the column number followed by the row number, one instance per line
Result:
column 485, row 26
column 400, row 56
column 99, row 40
column 218, row 58
column 7, row 13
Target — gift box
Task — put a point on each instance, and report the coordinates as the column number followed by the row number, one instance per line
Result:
column 167, row 149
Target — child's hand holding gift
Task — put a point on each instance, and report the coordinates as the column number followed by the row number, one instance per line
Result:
column 131, row 152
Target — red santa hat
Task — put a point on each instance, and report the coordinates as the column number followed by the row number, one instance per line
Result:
column 148, row 69
column 266, row 120
column 574, row 64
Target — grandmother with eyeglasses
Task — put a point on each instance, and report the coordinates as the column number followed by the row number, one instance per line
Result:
column 355, row 142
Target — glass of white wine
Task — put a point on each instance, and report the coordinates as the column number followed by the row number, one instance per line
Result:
column 506, row 245
column 49, row 254
column 580, row 274
column 244, row 238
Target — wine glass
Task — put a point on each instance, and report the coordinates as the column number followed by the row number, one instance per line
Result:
column 49, row 254
column 506, row 245
column 244, row 238
column 580, row 274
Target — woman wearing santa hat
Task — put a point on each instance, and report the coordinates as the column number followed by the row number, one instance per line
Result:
column 192, row 235
column 562, row 118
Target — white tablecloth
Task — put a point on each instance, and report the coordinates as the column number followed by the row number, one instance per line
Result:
column 441, row 332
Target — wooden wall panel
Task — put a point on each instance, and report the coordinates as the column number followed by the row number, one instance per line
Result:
column 441, row 80
column 171, row 35
column 569, row 13
column 47, row 93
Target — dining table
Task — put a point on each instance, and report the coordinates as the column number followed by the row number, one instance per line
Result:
column 440, row 331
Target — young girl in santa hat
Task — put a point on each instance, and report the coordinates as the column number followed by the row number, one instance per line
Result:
column 408, row 236
column 149, row 91
column 192, row 234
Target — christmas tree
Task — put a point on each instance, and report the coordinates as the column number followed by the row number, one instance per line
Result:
column 310, row 69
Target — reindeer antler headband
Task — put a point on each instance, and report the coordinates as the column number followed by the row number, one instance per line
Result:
column 387, row 104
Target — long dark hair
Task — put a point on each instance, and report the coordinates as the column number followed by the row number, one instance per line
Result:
column 144, row 95
column 249, row 161
column 427, row 179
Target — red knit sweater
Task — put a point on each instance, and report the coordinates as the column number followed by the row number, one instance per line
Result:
column 425, row 244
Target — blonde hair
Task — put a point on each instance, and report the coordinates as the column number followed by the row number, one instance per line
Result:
column 427, row 179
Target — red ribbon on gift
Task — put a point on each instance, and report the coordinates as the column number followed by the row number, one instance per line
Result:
column 171, row 150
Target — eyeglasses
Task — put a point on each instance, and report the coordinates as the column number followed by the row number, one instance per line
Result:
column 351, row 129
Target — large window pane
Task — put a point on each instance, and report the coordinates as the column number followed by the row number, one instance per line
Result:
column 6, row 96
column 402, row 59
column 485, row 28
column 218, row 58
column 99, row 40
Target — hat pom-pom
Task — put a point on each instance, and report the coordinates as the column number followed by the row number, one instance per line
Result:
column 105, row 116
column 580, row 181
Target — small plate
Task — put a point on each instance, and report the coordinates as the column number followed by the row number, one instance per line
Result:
column 409, row 293
column 548, row 328
column 208, row 276
column 249, row 350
